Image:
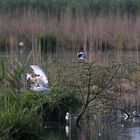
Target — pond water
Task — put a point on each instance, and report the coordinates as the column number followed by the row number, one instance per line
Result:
column 107, row 128
column 100, row 57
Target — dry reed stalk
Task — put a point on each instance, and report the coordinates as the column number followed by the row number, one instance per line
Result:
column 36, row 51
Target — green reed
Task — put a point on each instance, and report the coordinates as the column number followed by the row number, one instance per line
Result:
column 59, row 6
column 19, row 116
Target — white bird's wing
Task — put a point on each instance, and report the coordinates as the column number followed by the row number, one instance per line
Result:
column 38, row 71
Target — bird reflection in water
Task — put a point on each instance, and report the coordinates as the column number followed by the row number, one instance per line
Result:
column 68, row 125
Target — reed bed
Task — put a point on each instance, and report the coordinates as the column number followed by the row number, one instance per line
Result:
column 40, row 33
column 96, row 32
column 72, row 24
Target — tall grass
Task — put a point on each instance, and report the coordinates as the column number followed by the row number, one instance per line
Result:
column 19, row 117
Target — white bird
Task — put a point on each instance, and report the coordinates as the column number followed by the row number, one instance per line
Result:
column 68, row 123
column 67, row 116
column 81, row 55
column 38, row 78
column 99, row 134
column 125, row 116
column 40, row 75
column 21, row 43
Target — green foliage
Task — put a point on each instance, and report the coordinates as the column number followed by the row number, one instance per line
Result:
column 19, row 116
column 59, row 6
column 13, row 75
column 63, row 100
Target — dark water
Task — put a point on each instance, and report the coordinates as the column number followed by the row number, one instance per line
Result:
column 71, row 56
column 105, row 129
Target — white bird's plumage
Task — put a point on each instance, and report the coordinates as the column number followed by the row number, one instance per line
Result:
column 41, row 77
column 39, row 88
column 67, row 116
column 38, row 71
column 40, row 80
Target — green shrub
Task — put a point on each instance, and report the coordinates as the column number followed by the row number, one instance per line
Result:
column 19, row 116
